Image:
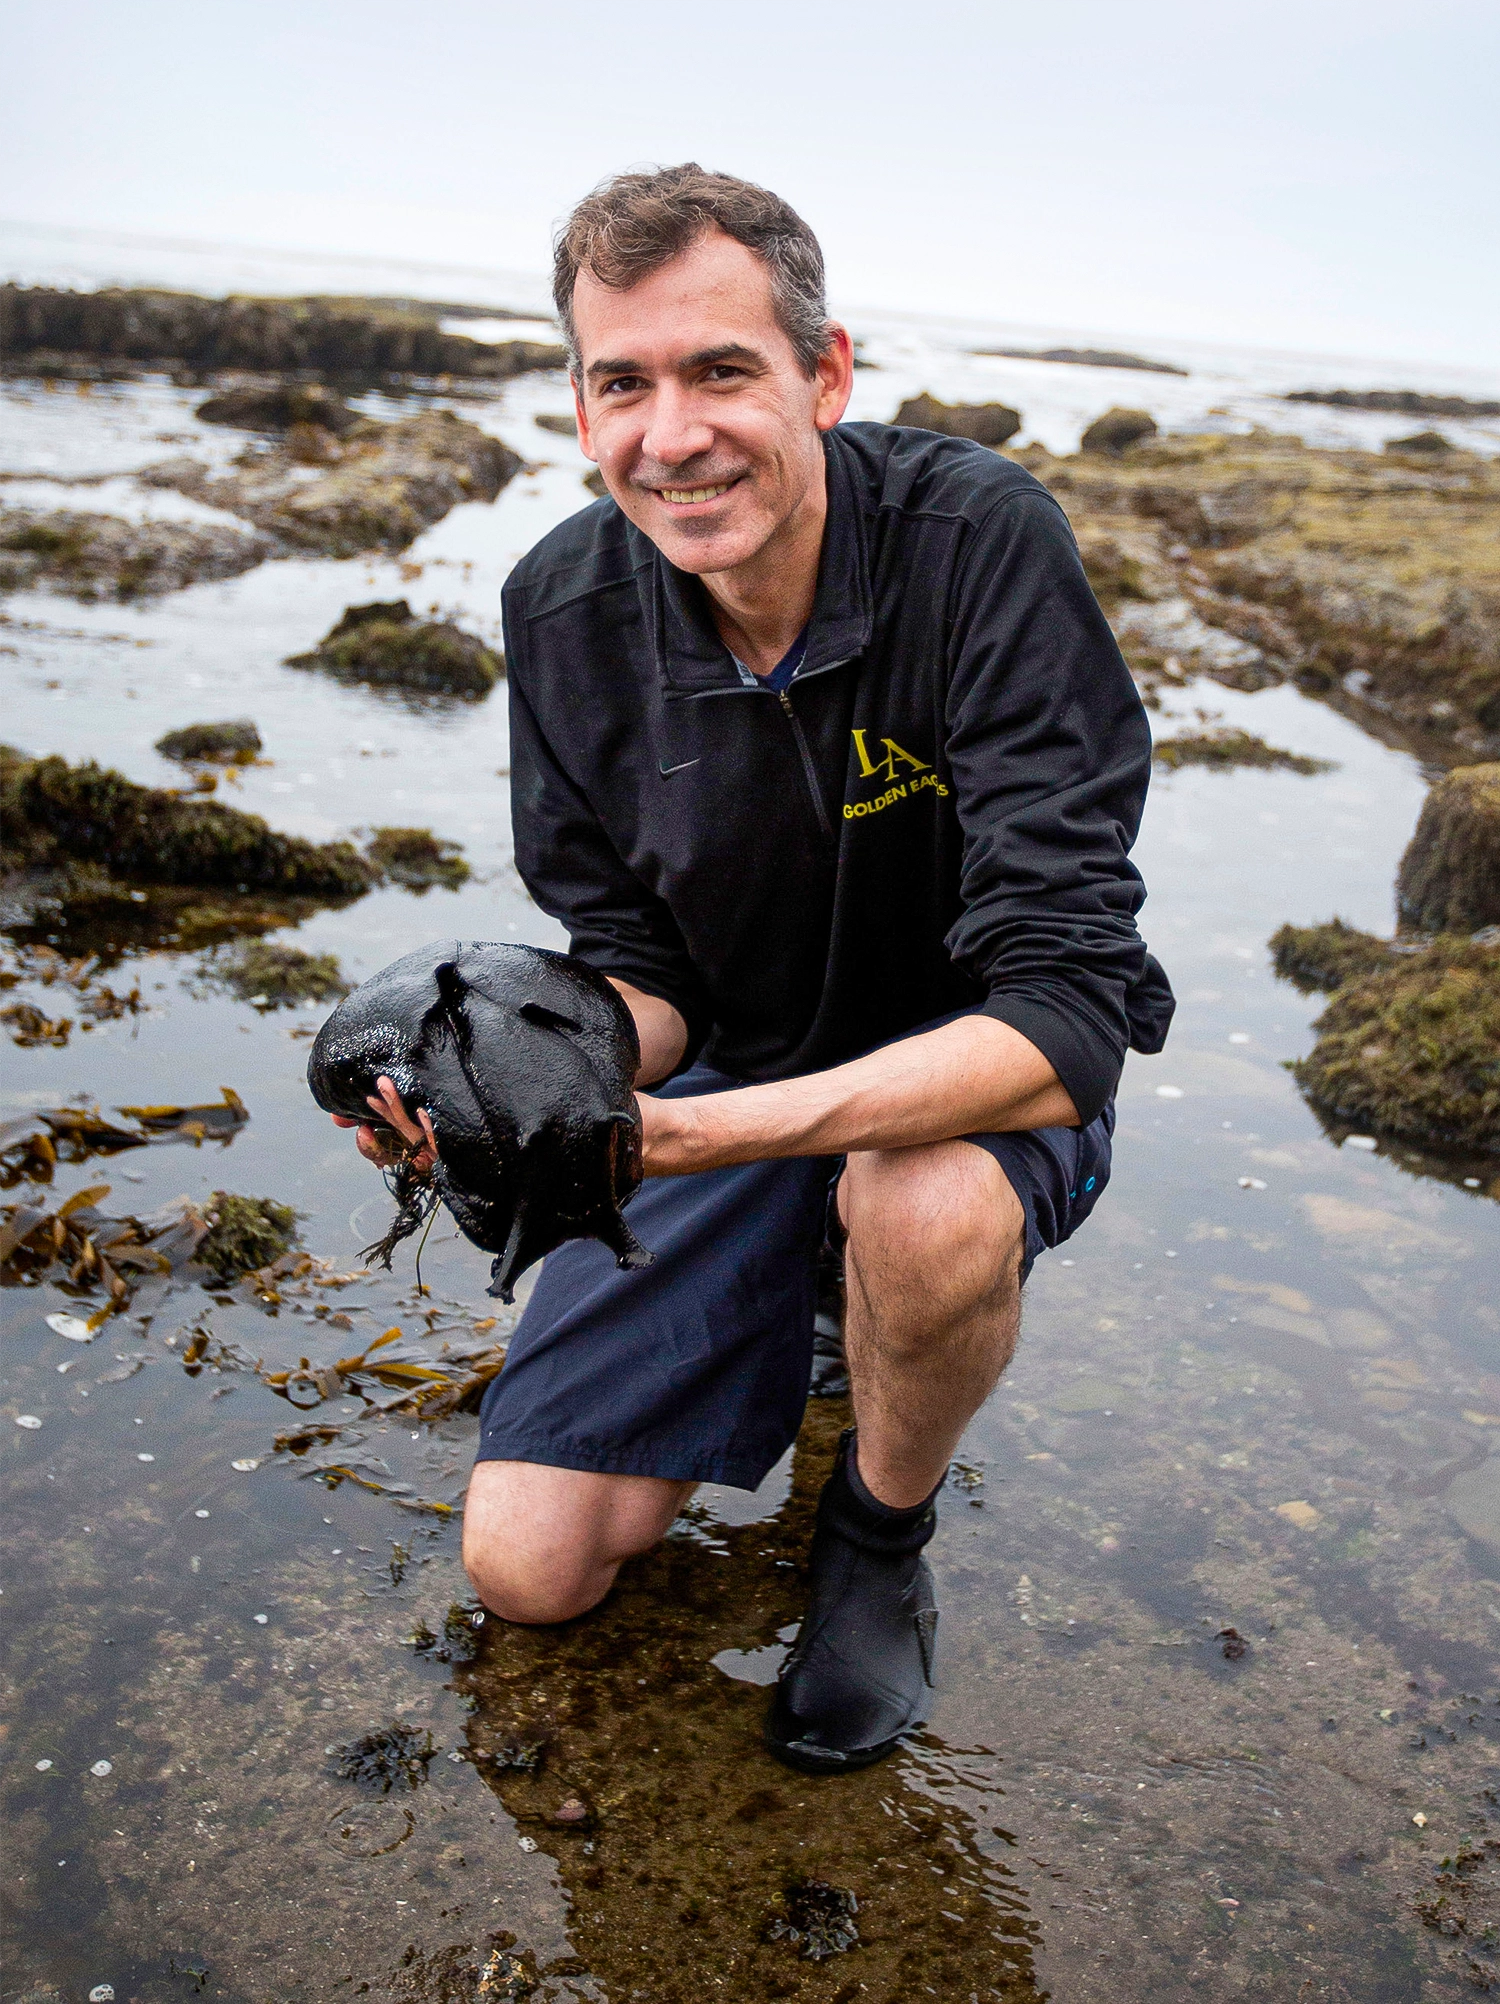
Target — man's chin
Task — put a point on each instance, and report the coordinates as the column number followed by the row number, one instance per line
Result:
column 702, row 544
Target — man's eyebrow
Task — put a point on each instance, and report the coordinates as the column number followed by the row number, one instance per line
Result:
column 702, row 358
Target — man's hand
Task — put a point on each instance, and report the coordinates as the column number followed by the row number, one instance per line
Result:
column 386, row 1102
column 974, row 1076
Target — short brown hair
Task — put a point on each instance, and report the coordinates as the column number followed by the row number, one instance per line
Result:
column 633, row 224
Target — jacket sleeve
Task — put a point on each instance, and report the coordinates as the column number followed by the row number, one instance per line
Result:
column 575, row 873
column 1050, row 754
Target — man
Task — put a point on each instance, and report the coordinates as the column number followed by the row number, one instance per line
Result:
column 823, row 752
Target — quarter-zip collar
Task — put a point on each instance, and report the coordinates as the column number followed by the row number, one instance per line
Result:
column 692, row 660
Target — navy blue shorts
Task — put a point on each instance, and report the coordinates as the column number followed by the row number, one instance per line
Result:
column 696, row 1367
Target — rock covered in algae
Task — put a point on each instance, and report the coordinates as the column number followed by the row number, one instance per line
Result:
column 347, row 335
column 1449, row 879
column 1366, row 577
column 377, row 488
column 1117, row 429
column 1320, row 958
column 386, row 644
column 1410, row 1044
column 524, row 1061
column 278, row 407
column 818, row 1921
column 273, row 975
column 234, row 742
column 245, row 1233
column 417, row 859
column 986, row 424
column 54, row 811
column 1222, row 750
column 90, row 557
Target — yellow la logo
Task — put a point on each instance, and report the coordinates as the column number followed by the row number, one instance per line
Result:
column 886, row 766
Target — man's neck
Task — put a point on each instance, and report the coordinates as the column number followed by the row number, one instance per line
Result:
column 761, row 606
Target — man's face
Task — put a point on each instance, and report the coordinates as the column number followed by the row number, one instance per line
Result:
column 705, row 425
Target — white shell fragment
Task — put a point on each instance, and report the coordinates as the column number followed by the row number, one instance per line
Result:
column 75, row 1328
column 145, row 1457
column 245, row 1466
column 1169, row 1092
column 262, row 1619
column 42, row 1766
column 29, row 1421
column 102, row 1768
column 102, row 1993
column 1251, row 1183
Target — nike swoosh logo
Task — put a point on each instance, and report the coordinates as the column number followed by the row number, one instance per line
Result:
column 667, row 771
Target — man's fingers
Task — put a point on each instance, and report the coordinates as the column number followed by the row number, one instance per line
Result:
column 386, row 1101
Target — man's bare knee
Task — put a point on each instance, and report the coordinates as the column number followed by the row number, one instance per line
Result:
column 543, row 1545
column 938, row 1229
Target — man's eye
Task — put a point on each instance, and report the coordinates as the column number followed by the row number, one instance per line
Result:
column 724, row 372
column 619, row 386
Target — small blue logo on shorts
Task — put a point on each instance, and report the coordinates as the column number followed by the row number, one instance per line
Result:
column 1090, row 1183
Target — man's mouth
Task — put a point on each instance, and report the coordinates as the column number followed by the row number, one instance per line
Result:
column 683, row 497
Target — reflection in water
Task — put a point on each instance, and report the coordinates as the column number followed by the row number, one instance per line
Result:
column 685, row 1847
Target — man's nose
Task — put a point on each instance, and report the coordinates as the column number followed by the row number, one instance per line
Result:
column 677, row 430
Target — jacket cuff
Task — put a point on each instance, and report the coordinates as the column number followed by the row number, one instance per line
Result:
column 1088, row 1069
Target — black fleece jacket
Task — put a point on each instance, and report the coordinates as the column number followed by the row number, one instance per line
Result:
column 936, row 813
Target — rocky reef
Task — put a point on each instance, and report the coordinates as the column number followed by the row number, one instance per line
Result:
column 986, row 424
column 57, row 816
column 1402, row 403
column 92, row 557
column 1086, row 358
column 42, row 327
column 377, row 488
column 1370, row 579
column 1449, row 879
column 386, row 644
column 1409, row 1046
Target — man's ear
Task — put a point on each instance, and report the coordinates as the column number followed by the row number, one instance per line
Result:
column 835, row 374
column 585, row 445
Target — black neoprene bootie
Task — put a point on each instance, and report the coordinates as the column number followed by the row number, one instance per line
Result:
column 862, row 1670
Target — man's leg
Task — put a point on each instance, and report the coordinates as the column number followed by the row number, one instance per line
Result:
column 544, row 1544
column 932, row 1265
column 936, row 1240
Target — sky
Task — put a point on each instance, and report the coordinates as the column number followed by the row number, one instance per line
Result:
column 1321, row 177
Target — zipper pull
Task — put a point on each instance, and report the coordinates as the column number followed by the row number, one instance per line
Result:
column 786, row 702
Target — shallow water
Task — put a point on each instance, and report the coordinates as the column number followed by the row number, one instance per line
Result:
column 1106, row 1804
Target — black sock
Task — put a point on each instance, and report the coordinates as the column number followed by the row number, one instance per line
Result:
column 847, row 1508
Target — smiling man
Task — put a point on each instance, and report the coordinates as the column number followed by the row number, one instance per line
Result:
column 824, row 753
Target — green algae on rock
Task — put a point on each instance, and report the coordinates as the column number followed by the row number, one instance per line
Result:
column 348, row 336
column 1370, row 579
column 986, row 424
column 1412, row 1050
column 1116, row 430
column 376, row 489
column 1222, row 750
column 1449, row 880
column 417, row 859
column 1320, row 958
column 91, row 557
column 244, row 1234
column 386, row 644
column 55, row 814
column 234, row 742
column 272, row 975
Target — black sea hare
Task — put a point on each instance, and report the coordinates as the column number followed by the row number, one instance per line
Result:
column 524, row 1060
